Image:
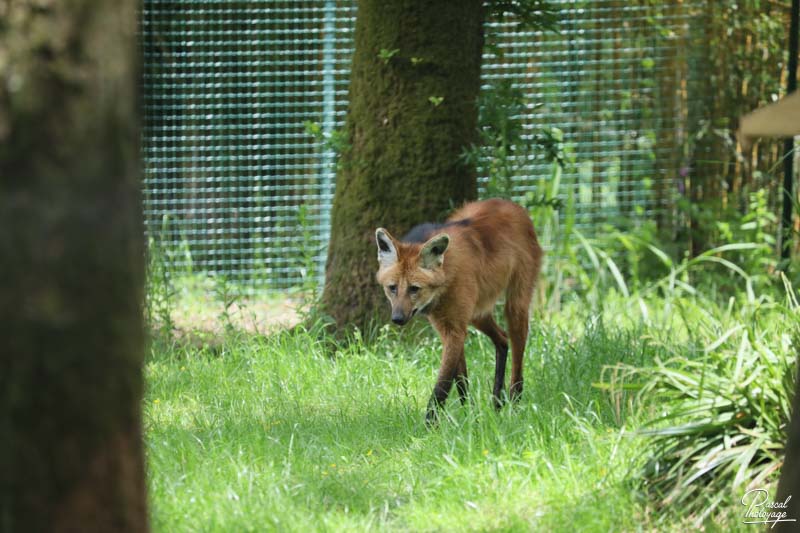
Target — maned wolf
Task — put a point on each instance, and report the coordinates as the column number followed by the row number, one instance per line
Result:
column 453, row 273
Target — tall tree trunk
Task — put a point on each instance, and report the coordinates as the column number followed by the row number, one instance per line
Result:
column 414, row 84
column 72, row 268
column 789, row 484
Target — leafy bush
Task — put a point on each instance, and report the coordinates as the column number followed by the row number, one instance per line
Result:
column 720, row 425
column 757, row 225
column 504, row 149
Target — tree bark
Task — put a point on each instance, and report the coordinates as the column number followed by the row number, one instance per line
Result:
column 789, row 484
column 414, row 84
column 72, row 264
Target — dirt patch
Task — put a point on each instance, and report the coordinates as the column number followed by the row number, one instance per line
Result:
column 252, row 316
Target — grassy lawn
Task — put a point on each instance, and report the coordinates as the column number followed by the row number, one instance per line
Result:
column 278, row 433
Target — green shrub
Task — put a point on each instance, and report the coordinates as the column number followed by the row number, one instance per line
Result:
column 719, row 425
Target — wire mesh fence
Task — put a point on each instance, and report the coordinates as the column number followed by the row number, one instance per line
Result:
column 235, row 184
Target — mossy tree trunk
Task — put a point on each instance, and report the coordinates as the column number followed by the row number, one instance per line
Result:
column 71, row 318
column 414, row 85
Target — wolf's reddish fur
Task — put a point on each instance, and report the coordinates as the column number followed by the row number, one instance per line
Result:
column 455, row 278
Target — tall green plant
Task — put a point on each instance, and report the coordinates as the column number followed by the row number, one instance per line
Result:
column 305, row 261
column 161, row 293
column 505, row 152
column 719, row 428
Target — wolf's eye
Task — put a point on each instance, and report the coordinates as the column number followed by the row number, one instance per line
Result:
column 393, row 289
column 413, row 289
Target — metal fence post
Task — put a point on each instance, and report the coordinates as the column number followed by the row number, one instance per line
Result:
column 327, row 172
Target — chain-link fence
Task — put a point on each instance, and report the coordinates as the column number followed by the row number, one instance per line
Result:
column 236, row 185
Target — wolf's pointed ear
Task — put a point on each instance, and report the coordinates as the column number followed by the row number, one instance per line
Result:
column 387, row 253
column 432, row 253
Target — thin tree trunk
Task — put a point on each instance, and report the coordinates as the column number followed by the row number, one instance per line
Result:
column 71, row 260
column 789, row 484
column 414, row 85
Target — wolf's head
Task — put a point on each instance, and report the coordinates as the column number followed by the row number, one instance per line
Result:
column 412, row 275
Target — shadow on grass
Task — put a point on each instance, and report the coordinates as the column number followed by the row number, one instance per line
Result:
column 320, row 436
column 337, row 459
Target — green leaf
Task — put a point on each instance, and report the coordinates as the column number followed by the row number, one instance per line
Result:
column 385, row 54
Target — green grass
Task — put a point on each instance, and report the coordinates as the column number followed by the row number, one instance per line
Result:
column 278, row 433
column 285, row 433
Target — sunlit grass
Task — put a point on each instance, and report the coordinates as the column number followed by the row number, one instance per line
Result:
column 276, row 433
column 248, row 430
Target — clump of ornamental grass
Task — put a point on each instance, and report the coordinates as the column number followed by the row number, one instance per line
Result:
column 720, row 417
